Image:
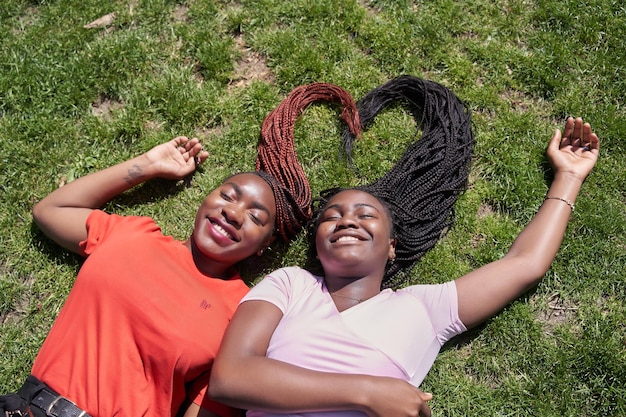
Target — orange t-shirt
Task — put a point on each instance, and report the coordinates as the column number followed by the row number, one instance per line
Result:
column 141, row 326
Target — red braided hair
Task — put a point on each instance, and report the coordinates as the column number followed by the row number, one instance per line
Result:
column 276, row 153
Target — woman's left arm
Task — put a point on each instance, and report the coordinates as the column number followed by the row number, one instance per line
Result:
column 485, row 291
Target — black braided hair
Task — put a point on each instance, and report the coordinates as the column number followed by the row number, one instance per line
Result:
column 420, row 190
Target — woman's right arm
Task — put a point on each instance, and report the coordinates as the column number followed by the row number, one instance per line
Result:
column 242, row 376
column 62, row 214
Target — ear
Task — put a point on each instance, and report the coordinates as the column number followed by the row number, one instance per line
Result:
column 392, row 249
column 266, row 245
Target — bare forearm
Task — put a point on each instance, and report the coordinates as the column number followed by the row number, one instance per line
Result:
column 62, row 214
column 242, row 376
column 273, row 386
column 485, row 291
column 96, row 189
column 540, row 240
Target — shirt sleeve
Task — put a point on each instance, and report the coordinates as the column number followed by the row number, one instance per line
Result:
column 441, row 302
column 275, row 288
column 100, row 225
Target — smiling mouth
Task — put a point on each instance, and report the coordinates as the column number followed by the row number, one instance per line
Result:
column 221, row 231
column 347, row 239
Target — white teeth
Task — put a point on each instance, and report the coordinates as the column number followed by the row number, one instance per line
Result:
column 221, row 230
column 347, row 239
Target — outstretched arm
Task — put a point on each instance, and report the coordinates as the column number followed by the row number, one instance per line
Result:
column 62, row 214
column 242, row 376
column 485, row 291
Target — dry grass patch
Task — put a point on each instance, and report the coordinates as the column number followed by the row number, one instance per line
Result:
column 251, row 67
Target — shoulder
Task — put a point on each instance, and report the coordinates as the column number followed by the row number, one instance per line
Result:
column 288, row 280
column 103, row 227
column 432, row 293
column 293, row 271
column 100, row 219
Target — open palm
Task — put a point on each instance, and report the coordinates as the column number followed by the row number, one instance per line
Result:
column 576, row 150
column 178, row 157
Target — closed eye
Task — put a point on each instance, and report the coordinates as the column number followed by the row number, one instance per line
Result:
column 256, row 220
column 330, row 216
column 259, row 217
column 226, row 196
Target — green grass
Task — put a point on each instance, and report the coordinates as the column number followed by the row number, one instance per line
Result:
column 74, row 100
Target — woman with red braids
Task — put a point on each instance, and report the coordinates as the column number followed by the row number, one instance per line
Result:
column 145, row 317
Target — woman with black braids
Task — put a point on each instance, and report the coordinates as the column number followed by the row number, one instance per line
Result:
column 145, row 317
column 339, row 344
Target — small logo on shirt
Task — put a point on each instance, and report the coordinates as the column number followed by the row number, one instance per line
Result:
column 205, row 305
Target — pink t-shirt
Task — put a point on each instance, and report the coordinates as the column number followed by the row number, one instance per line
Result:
column 395, row 334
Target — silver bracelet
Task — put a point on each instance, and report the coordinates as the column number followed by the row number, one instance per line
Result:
column 569, row 203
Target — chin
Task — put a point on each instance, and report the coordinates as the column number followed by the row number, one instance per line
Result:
column 346, row 269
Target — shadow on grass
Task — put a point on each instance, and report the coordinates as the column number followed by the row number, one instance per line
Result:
column 464, row 339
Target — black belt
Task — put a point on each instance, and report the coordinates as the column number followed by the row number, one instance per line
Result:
column 47, row 401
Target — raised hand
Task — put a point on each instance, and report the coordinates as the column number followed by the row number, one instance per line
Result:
column 574, row 152
column 177, row 158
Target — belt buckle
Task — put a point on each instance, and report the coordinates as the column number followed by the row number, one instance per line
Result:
column 52, row 404
column 56, row 400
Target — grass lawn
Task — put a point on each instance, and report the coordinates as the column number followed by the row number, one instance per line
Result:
column 75, row 98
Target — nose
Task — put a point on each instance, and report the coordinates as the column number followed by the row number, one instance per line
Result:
column 346, row 221
column 233, row 214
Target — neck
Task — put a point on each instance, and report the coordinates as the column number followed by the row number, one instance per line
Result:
column 208, row 266
column 357, row 289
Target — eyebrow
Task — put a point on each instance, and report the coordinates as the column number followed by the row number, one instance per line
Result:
column 239, row 192
column 357, row 205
